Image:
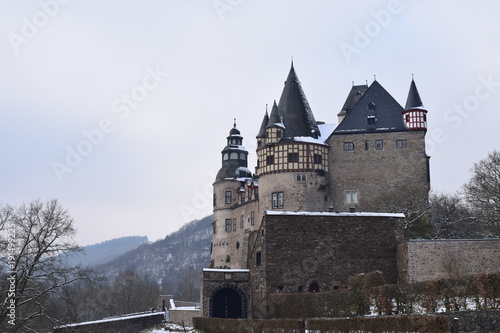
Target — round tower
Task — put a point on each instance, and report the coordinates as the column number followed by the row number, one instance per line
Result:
column 228, row 194
column 415, row 114
column 292, row 158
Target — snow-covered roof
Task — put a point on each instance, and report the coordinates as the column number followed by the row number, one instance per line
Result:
column 326, row 130
column 367, row 214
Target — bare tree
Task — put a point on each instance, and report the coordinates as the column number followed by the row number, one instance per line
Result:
column 413, row 202
column 133, row 292
column 39, row 237
column 188, row 288
column 451, row 218
column 482, row 192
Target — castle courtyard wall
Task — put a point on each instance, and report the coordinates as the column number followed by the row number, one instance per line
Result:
column 299, row 249
column 426, row 260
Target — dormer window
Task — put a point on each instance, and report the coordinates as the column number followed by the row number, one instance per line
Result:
column 278, row 134
column 370, row 120
column 371, row 106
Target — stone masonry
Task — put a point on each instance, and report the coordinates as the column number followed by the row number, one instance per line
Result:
column 425, row 260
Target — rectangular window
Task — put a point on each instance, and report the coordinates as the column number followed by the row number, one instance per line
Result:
column 400, row 143
column 278, row 200
column 317, row 159
column 229, row 197
column 348, row 146
column 234, row 224
column 258, row 258
column 379, row 144
column 215, row 201
column 367, row 146
column 351, row 197
column 301, row 177
column 229, row 226
column 293, row 157
column 252, row 218
column 242, row 222
column 270, row 160
column 214, row 230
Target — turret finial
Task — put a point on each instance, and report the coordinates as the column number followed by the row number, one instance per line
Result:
column 234, row 123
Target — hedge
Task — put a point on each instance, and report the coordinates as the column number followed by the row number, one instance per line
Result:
column 479, row 291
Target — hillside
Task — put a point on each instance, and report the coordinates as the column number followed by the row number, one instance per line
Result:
column 101, row 253
column 168, row 260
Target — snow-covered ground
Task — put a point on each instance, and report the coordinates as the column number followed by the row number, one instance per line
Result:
column 171, row 328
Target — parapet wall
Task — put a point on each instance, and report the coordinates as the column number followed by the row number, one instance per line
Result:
column 426, row 260
column 130, row 324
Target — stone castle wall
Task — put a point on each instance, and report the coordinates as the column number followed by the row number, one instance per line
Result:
column 425, row 260
column 391, row 172
column 301, row 249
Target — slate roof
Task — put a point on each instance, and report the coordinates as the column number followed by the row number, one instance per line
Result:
column 295, row 110
column 413, row 101
column 375, row 111
column 262, row 130
column 353, row 98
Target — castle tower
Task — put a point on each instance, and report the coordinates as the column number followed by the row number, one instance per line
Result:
column 377, row 158
column 235, row 194
column 415, row 115
column 292, row 157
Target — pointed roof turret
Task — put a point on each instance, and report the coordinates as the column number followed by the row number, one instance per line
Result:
column 413, row 101
column 275, row 118
column 415, row 114
column 262, row 130
column 295, row 110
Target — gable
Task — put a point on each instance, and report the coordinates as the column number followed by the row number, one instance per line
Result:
column 375, row 111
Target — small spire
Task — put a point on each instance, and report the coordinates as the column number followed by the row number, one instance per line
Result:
column 292, row 62
column 374, row 77
column 234, row 123
column 412, row 77
column 353, row 83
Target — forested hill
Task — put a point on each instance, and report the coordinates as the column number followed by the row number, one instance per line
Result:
column 169, row 260
column 106, row 251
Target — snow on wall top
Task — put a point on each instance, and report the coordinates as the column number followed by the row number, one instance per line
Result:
column 367, row 214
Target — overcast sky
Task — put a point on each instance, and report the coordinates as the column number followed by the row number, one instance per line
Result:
column 119, row 109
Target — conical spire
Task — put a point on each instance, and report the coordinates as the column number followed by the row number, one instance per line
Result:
column 275, row 117
column 295, row 110
column 413, row 101
column 262, row 130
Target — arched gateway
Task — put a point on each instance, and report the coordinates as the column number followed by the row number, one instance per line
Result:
column 228, row 302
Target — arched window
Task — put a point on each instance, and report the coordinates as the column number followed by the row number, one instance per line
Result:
column 314, row 287
column 234, row 156
column 226, row 156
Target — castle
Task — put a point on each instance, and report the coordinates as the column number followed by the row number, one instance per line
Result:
column 314, row 212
